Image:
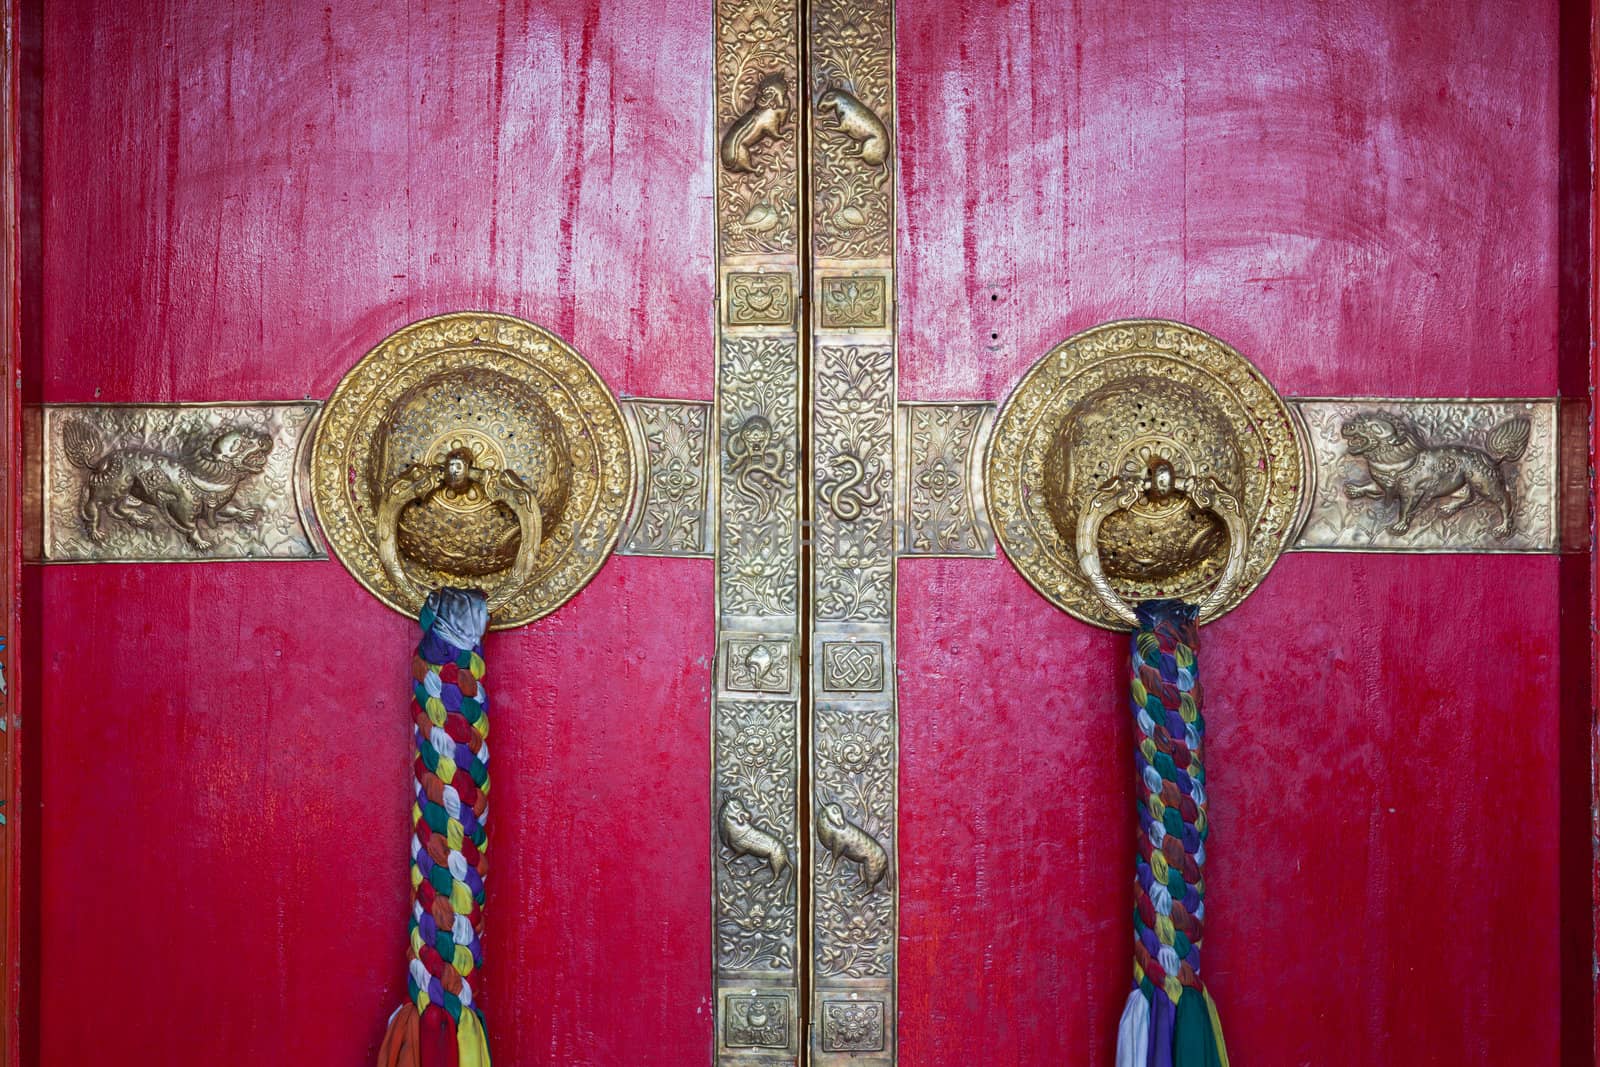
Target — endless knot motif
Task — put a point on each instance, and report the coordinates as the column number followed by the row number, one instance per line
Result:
column 852, row 667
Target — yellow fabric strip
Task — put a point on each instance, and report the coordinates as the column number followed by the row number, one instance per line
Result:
column 471, row 1041
column 1216, row 1030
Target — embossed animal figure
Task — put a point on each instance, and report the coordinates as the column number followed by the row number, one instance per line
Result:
column 744, row 838
column 768, row 115
column 861, row 124
column 1403, row 467
column 188, row 490
column 846, row 497
column 757, row 463
column 841, row 837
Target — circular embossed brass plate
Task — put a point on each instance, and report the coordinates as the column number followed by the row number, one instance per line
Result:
column 1115, row 401
column 519, row 400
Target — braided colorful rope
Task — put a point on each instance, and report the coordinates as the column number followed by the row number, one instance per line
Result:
column 1169, row 1020
column 441, row 1024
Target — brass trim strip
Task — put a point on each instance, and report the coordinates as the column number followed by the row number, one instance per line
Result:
column 755, row 786
column 1572, row 461
column 854, row 725
column 671, row 514
column 169, row 483
column 1547, row 481
column 1423, row 475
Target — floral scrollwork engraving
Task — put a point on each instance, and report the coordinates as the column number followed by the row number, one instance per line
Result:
column 756, row 777
column 851, row 302
column 853, row 414
column 758, row 192
column 942, row 511
column 852, row 55
column 852, row 1026
column 759, row 506
column 671, row 517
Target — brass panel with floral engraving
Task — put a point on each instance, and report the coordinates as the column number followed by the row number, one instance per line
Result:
column 855, row 507
column 942, row 507
column 756, row 477
column 671, row 513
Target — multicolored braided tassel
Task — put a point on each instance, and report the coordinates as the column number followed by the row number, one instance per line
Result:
column 1169, row 1020
column 441, row 1024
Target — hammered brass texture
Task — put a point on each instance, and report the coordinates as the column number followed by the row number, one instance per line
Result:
column 526, row 406
column 755, row 483
column 1425, row 475
column 147, row 483
column 1110, row 403
column 851, row 452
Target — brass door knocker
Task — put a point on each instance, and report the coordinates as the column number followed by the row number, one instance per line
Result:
column 1131, row 462
column 471, row 471
column 474, row 451
column 457, row 476
column 1160, row 482
column 1131, row 430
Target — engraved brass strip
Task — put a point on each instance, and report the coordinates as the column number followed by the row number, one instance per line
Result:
column 939, row 479
column 854, row 734
column 1413, row 475
column 148, row 483
column 671, row 514
column 756, row 685
column 1544, row 477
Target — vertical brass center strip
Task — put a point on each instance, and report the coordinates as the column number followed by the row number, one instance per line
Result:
column 756, row 686
column 853, row 748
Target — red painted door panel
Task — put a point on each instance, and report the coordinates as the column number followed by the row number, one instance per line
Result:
column 237, row 201
column 1363, row 198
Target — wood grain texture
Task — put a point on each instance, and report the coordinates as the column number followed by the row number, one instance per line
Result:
column 1363, row 199
column 238, row 200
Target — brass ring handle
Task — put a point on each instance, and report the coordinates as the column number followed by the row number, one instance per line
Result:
column 1121, row 493
column 417, row 483
column 507, row 488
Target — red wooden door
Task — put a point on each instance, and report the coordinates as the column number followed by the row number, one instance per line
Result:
column 1364, row 199
column 235, row 202
column 226, row 202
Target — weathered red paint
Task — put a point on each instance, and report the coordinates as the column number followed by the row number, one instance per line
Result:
column 10, row 556
column 238, row 200
column 1363, row 198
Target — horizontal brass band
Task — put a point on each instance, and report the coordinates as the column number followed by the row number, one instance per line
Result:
column 159, row 483
column 1547, row 482
column 940, row 506
column 1423, row 475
